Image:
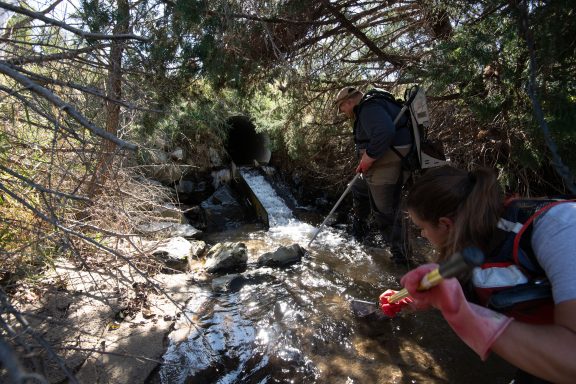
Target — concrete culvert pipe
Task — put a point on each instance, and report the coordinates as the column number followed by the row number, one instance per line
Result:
column 244, row 144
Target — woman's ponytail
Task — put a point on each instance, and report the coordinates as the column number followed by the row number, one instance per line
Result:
column 478, row 213
column 472, row 200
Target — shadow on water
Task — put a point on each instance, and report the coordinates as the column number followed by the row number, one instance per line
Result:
column 295, row 325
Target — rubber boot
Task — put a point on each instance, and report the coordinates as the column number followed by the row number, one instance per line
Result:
column 398, row 248
column 361, row 210
column 391, row 228
column 359, row 228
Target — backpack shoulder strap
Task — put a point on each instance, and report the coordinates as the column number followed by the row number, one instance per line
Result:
column 379, row 94
column 523, row 224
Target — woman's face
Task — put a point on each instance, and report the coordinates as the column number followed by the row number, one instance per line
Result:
column 435, row 233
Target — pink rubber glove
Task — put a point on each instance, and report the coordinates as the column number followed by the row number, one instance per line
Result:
column 392, row 309
column 365, row 163
column 477, row 326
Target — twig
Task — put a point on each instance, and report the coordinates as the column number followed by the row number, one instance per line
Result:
column 51, row 97
column 84, row 34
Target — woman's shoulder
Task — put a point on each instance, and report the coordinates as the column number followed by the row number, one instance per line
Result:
column 564, row 213
column 554, row 244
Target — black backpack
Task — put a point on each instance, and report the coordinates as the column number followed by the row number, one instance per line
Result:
column 424, row 153
column 530, row 301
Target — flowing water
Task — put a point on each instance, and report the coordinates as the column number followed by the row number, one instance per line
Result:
column 294, row 325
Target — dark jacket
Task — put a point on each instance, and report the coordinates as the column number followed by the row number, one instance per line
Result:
column 374, row 130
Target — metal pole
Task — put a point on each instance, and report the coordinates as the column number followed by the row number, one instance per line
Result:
column 334, row 208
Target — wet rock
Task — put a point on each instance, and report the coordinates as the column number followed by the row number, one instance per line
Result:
column 177, row 154
column 221, row 177
column 169, row 229
column 196, row 217
column 185, row 187
column 170, row 211
column 228, row 283
column 215, row 158
column 193, row 191
column 225, row 257
column 282, row 257
column 174, row 253
column 222, row 210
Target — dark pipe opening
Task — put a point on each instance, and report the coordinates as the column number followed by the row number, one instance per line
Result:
column 246, row 145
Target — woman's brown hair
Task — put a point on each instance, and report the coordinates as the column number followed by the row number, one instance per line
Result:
column 472, row 200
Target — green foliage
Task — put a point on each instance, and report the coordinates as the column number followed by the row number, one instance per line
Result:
column 189, row 11
column 269, row 111
column 199, row 116
column 96, row 15
column 486, row 62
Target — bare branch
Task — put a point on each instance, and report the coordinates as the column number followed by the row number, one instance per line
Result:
column 41, row 188
column 76, row 31
column 48, row 95
column 88, row 90
column 273, row 20
column 54, row 57
column 14, row 368
column 360, row 35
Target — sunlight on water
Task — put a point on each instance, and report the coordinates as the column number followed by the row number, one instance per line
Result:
column 278, row 211
column 259, row 327
column 294, row 324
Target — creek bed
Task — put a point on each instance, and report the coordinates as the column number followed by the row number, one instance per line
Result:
column 294, row 325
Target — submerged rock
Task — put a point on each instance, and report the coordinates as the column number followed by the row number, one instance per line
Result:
column 282, row 257
column 228, row 283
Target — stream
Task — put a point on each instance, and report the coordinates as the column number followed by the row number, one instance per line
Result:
column 294, row 325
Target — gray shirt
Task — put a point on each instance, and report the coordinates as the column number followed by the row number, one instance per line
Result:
column 554, row 243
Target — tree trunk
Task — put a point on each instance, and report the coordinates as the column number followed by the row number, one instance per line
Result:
column 107, row 150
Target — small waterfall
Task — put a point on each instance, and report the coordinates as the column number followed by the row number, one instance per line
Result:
column 284, row 227
column 278, row 212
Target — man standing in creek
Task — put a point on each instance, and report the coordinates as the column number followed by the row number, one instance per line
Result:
column 378, row 190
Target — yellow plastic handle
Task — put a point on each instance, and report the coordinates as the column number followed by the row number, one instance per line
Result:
column 459, row 262
column 431, row 279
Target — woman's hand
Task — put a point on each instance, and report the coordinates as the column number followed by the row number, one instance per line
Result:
column 477, row 326
column 392, row 309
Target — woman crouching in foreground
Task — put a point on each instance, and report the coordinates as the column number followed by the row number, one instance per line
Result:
column 532, row 330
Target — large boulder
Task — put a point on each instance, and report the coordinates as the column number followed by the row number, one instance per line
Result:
column 193, row 191
column 166, row 173
column 227, row 256
column 223, row 210
column 171, row 212
column 174, row 253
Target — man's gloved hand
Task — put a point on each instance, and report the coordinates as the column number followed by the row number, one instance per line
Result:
column 365, row 163
column 392, row 309
column 477, row 326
